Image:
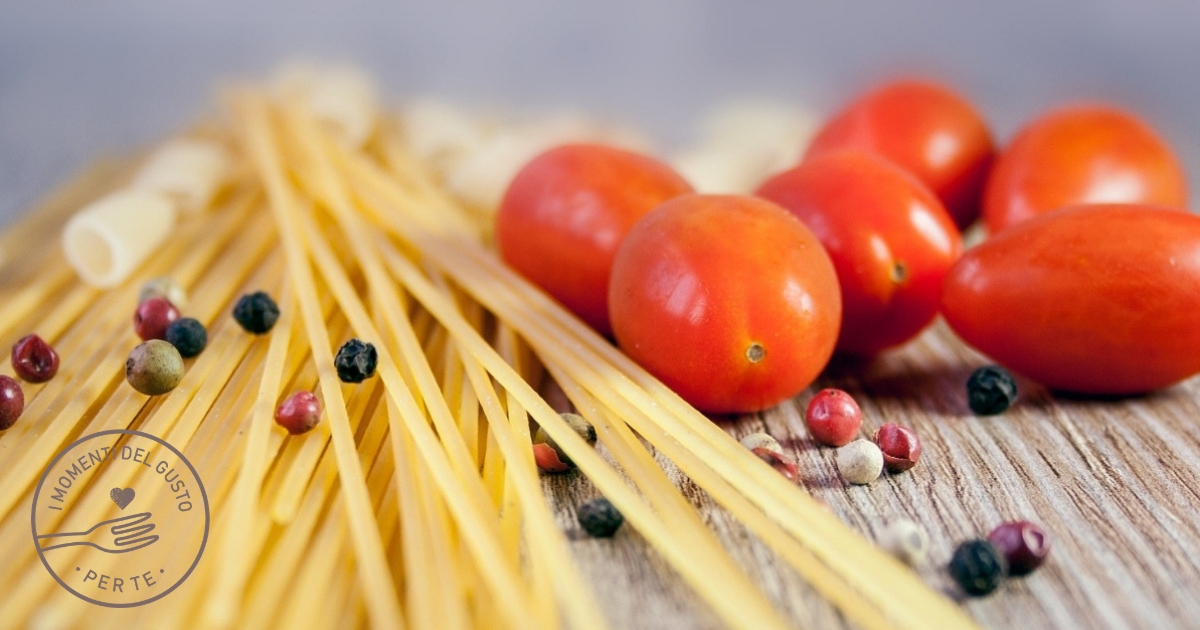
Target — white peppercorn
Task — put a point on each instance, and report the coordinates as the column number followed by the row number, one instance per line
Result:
column 860, row 462
column 906, row 540
column 163, row 287
column 762, row 440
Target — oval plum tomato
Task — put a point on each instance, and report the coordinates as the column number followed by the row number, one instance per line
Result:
column 925, row 129
column 890, row 240
column 728, row 300
column 1098, row 299
column 1081, row 154
column 568, row 209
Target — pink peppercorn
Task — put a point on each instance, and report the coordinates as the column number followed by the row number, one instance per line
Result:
column 299, row 413
column 780, row 462
column 833, row 418
column 12, row 401
column 152, row 318
column 1023, row 544
column 34, row 360
column 900, row 445
column 547, row 459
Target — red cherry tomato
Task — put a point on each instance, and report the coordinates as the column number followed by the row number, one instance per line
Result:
column 1093, row 299
column 565, row 213
column 890, row 240
column 927, row 130
column 728, row 300
column 1077, row 155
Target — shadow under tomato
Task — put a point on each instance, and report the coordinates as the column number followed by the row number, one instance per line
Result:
column 1173, row 395
column 939, row 388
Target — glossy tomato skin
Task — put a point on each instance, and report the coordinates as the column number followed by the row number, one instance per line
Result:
column 729, row 300
column 568, row 209
column 1082, row 154
column 1091, row 299
column 925, row 129
column 889, row 237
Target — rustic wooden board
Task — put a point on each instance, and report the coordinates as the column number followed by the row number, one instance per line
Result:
column 1113, row 481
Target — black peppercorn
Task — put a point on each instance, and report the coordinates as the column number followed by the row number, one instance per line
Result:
column 188, row 336
column 991, row 390
column 977, row 567
column 355, row 361
column 256, row 312
column 600, row 518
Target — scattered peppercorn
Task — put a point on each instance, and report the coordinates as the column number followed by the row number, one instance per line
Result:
column 188, row 336
column 860, row 462
column 833, row 418
column 578, row 424
column 977, row 567
column 299, row 413
column 163, row 287
column 152, row 318
column 12, row 401
column 256, row 312
column 1024, row 545
column 154, row 367
column 34, row 360
column 900, row 445
column 600, row 518
column 761, row 440
column 355, row 361
column 770, row 451
column 906, row 540
column 781, row 462
column 547, row 459
column 991, row 390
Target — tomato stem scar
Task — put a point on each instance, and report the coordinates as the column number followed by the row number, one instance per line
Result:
column 756, row 352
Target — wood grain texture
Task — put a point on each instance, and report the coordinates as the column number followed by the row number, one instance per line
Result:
column 1114, row 482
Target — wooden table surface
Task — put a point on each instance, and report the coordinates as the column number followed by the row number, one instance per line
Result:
column 1114, row 482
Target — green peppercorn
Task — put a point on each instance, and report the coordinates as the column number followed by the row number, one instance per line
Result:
column 600, row 518
column 188, row 336
column 154, row 367
column 355, row 361
column 578, row 424
column 991, row 390
column 256, row 312
column 978, row 567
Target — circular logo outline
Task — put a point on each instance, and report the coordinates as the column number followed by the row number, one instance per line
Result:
column 38, row 491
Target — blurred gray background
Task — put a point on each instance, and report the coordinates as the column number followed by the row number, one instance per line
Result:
column 82, row 79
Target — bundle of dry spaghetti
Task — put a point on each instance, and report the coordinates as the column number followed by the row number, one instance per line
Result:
column 416, row 501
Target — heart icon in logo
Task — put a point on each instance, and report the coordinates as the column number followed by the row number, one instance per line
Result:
column 122, row 497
